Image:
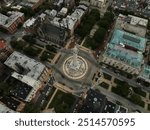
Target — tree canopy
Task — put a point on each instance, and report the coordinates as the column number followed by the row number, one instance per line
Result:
column 31, row 108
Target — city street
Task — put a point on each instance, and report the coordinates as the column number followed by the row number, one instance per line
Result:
column 130, row 81
column 125, row 102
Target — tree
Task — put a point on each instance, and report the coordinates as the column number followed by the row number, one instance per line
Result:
column 13, row 44
column 136, row 99
column 77, row 2
column 146, row 84
column 44, row 56
column 90, row 43
column 122, row 89
column 18, row 45
column 99, row 35
column 28, row 12
column 96, row 14
column 129, row 76
column 62, row 108
column 5, row 88
column 5, row 10
column 30, row 39
column 68, row 98
column 51, row 48
column 31, row 108
column 87, row 24
column 109, row 16
column 104, row 23
column 30, row 51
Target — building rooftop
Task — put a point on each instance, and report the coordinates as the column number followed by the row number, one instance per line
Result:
column 7, row 21
column 28, row 3
column 25, row 65
column 30, row 90
column 69, row 22
column 29, row 22
column 126, row 23
column 5, row 109
column 110, row 107
column 145, row 74
column 139, row 7
column 33, row 1
column 51, row 13
column 128, row 39
column 26, row 87
column 83, row 7
column 126, row 47
column 84, row 2
column 78, row 13
column 138, row 21
column 10, row 102
column 63, row 11
column 94, row 102
column 17, row 7
column 54, row 31
column 127, row 56
column 121, row 109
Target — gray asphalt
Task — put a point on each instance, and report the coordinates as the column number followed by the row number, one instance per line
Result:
column 131, row 82
column 131, row 106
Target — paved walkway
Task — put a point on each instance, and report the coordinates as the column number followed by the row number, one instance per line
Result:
column 83, row 41
column 51, row 99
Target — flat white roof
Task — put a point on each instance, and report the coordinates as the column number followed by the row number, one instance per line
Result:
column 33, row 67
column 26, row 79
column 138, row 21
column 51, row 13
column 70, row 22
column 78, row 13
column 7, row 21
column 33, row 1
column 83, row 7
column 64, row 10
column 103, row 1
column 17, row 7
column 29, row 22
column 5, row 109
column 3, row 19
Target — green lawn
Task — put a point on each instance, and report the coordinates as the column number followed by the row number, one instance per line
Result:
column 32, row 51
column 62, row 102
column 107, row 76
column 139, row 91
column 135, row 98
column 104, row 85
column 51, row 48
column 142, row 104
column 117, row 81
column 46, row 55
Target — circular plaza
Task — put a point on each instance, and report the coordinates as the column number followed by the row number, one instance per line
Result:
column 75, row 68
